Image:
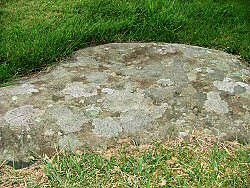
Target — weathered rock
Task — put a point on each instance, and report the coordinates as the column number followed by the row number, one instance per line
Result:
column 145, row 92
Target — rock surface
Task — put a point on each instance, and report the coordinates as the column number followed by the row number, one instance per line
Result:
column 145, row 92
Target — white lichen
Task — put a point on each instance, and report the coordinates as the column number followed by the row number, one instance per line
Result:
column 107, row 90
column 165, row 82
column 22, row 117
column 215, row 104
column 229, row 84
column 107, row 127
column 78, row 89
column 24, row 89
column 67, row 120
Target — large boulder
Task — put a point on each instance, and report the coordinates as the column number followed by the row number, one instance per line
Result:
column 144, row 92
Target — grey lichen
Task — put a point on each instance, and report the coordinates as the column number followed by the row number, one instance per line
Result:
column 226, row 85
column 69, row 143
column 229, row 85
column 78, row 89
column 107, row 127
column 215, row 104
column 68, row 121
column 165, row 82
column 24, row 89
column 23, row 117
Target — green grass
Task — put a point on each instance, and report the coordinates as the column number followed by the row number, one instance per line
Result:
column 36, row 33
column 197, row 163
column 179, row 167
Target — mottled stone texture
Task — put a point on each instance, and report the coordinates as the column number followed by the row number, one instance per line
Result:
column 145, row 92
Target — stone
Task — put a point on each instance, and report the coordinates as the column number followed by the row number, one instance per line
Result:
column 139, row 91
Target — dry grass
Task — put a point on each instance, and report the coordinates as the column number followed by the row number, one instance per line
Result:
column 200, row 161
column 26, row 177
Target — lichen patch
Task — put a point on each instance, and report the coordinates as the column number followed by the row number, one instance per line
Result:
column 229, row 85
column 93, row 111
column 22, row 117
column 78, row 89
column 24, row 89
column 107, row 127
column 69, row 143
column 107, row 90
column 68, row 121
column 215, row 104
column 226, row 85
column 123, row 100
column 165, row 82
column 138, row 119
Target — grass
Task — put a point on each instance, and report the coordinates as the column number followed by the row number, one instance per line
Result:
column 201, row 161
column 37, row 33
